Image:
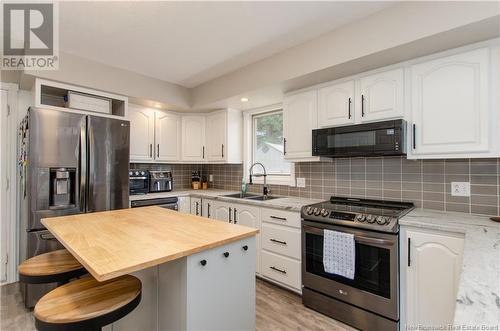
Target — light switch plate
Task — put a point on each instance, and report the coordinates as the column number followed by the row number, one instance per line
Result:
column 301, row 182
column 210, row 178
column 460, row 189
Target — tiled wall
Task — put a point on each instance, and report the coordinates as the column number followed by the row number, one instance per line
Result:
column 426, row 183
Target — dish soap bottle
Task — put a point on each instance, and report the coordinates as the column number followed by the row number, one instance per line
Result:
column 243, row 186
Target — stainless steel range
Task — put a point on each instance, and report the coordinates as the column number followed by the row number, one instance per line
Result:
column 369, row 301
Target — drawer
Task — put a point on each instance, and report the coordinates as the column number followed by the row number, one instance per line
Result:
column 281, row 217
column 281, row 269
column 281, row 239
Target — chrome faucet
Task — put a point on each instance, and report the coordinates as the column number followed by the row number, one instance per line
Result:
column 265, row 189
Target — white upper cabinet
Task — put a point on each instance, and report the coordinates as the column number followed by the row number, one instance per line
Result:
column 300, row 117
column 433, row 263
column 381, row 95
column 451, row 113
column 141, row 133
column 168, row 136
column 193, row 138
column 216, row 136
column 336, row 104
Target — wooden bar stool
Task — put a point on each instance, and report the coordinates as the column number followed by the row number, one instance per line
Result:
column 86, row 304
column 57, row 266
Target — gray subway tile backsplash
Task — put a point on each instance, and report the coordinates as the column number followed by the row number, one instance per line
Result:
column 426, row 183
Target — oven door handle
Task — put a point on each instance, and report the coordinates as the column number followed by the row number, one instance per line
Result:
column 375, row 241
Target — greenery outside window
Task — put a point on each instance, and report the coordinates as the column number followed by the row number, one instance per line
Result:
column 267, row 143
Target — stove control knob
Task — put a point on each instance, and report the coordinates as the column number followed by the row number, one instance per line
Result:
column 137, row 173
column 142, row 173
column 360, row 218
column 130, row 173
column 370, row 219
column 317, row 211
column 382, row 220
column 325, row 213
column 309, row 210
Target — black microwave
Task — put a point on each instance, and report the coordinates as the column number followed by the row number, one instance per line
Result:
column 370, row 139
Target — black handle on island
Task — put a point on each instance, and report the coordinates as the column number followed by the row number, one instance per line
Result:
column 226, row 254
column 245, row 248
column 203, row 262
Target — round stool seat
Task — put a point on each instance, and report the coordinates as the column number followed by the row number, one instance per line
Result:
column 56, row 266
column 86, row 304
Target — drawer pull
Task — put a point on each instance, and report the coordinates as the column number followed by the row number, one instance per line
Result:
column 245, row 248
column 203, row 262
column 278, row 241
column 226, row 254
column 278, row 218
column 278, row 270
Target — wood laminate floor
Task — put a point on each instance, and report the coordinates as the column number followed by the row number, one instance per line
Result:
column 277, row 309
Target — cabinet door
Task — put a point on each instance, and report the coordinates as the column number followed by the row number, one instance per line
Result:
column 208, row 208
column 220, row 211
column 141, row 133
column 450, row 107
column 249, row 216
column 196, row 207
column 382, row 95
column 216, row 136
column 432, row 277
column 184, row 204
column 300, row 116
column 336, row 104
column 167, row 136
column 193, row 138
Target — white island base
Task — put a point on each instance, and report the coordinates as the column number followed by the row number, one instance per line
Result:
column 185, row 295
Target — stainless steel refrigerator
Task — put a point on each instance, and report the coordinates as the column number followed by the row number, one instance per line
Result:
column 70, row 163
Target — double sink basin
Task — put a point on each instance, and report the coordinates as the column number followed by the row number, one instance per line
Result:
column 249, row 196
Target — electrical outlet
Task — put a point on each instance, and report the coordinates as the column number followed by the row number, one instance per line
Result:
column 301, row 182
column 210, row 178
column 460, row 189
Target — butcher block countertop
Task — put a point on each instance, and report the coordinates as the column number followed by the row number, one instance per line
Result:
column 114, row 243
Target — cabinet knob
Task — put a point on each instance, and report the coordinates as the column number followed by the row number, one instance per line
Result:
column 226, row 254
column 245, row 248
column 203, row 262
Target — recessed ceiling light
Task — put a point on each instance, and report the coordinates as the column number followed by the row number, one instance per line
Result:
column 157, row 105
column 244, row 99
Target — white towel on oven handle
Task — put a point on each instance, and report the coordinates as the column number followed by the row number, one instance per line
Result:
column 339, row 253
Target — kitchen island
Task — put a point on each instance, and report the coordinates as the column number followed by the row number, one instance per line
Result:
column 196, row 273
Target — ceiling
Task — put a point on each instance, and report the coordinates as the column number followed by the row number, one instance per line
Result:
column 190, row 43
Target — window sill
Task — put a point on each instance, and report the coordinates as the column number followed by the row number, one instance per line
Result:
column 275, row 180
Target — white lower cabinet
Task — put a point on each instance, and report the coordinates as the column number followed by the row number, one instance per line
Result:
column 184, row 204
column 281, row 240
column 431, row 263
column 249, row 216
column 196, row 207
column 282, row 269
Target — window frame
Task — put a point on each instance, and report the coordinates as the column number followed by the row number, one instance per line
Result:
column 248, row 143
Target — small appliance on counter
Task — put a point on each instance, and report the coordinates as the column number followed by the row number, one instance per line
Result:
column 138, row 181
column 160, row 181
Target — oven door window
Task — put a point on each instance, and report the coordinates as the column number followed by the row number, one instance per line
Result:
column 372, row 270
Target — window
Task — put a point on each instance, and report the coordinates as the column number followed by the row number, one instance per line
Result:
column 267, row 143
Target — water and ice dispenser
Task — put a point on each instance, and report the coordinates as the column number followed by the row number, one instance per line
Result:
column 62, row 187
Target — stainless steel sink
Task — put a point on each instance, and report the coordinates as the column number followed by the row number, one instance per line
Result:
column 241, row 195
column 250, row 196
column 261, row 198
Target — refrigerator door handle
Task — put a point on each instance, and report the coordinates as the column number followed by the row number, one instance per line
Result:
column 83, row 164
column 90, row 199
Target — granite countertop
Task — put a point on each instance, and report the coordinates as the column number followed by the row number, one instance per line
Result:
column 478, row 298
column 282, row 203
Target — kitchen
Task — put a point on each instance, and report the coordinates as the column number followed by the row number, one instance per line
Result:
column 294, row 179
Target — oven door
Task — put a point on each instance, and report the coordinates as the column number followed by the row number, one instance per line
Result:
column 375, row 286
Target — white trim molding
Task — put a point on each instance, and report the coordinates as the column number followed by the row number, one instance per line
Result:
column 247, row 148
column 8, row 212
